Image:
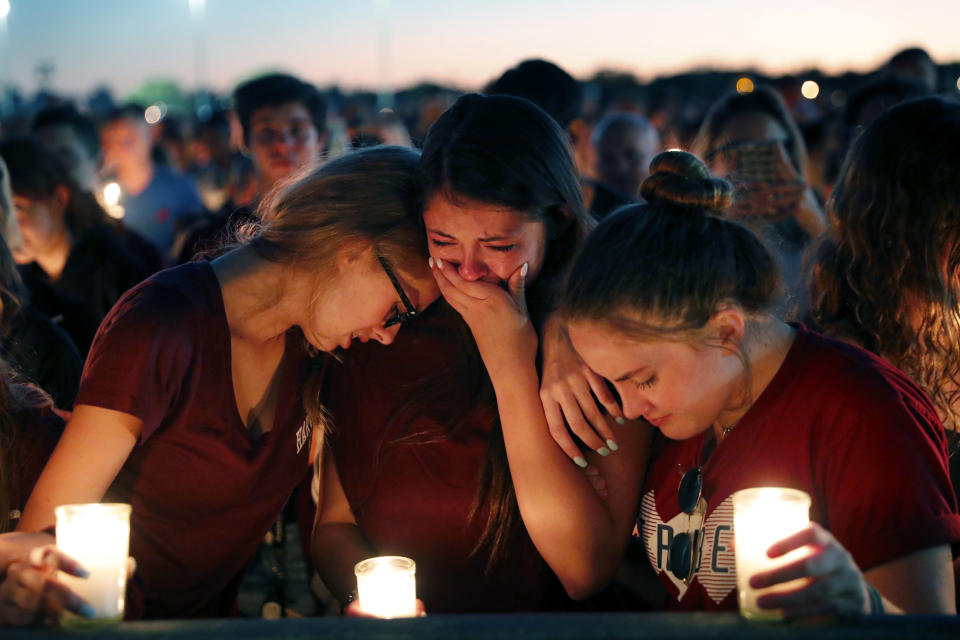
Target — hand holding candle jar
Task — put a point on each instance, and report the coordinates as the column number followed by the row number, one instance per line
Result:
column 386, row 587
column 97, row 536
column 761, row 517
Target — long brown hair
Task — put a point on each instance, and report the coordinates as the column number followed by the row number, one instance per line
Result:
column 886, row 274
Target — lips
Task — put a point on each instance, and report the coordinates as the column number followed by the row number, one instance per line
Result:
column 658, row 422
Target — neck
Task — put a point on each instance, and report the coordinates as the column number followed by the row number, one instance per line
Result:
column 54, row 259
column 135, row 178
column 765, row 347
column 261, row 298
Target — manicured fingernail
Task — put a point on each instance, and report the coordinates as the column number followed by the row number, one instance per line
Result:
column 87, row 611
column 430, row 261
column 581, row 462
column 524, row 269
column 619, row 420
column 603, row 451
column 439, row 263
column 613, row 445
column 80, row 572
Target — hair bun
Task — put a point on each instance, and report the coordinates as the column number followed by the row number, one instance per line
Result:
column 681, row 179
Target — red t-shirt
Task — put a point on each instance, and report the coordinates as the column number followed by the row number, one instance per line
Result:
column 836, row 422
column 203, row 494
column 410, row 486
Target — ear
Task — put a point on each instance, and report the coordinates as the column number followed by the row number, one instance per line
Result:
column 352, row 255
column 726, row 326
column 60, row 199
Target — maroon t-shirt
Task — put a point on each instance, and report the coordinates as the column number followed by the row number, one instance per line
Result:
column 837, row 422
column 203, row 493
column 410, row 486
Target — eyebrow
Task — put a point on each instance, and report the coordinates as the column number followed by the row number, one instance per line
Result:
column 629, row 374
column 486, row 239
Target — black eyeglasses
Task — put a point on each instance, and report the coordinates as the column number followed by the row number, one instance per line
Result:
column 684, row 556
column 408, row 312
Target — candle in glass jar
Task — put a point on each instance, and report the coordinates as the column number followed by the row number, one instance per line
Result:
column 386, row 586
column 98, row 537
column 761, row 517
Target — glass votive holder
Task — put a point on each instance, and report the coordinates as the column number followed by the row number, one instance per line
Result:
column 387, row 586
column 761, row 517
column 98, row 537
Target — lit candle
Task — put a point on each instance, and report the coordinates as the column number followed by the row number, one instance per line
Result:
column 98, row 537
column 387, row 587
column 762, row 517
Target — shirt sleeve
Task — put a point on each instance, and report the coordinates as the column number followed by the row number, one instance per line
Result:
column 883, row 471
column 141, row 356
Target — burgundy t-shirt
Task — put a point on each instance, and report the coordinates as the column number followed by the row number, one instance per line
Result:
column 410, row 486
column 837, row 422
column 203, row 493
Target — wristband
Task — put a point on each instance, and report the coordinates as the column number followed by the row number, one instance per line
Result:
column 876, row 600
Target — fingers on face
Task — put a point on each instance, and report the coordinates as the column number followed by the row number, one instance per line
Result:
column 573, row 413
column 603, row 393
column 558, row 430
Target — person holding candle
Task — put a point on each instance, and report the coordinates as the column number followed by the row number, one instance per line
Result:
column 191, row 394
column 417, row 466
column 672, row 303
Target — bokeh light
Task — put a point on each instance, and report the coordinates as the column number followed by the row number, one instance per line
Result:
column 810, row 89
column 111, row 194
column 744, row 85
column 4, row 8
column 958, row 84
column 152, row 114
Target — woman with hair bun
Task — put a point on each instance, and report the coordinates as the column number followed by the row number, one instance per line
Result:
column 672, row 303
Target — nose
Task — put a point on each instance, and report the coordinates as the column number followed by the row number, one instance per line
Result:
column 634, row 404
column 472, row 268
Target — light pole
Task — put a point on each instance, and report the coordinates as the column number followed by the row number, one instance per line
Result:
column 4, row 57
column 385, row 93
column 201, row 99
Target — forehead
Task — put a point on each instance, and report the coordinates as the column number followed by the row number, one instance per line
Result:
column 289, row 113
column 612, row 354
column 465, row 218
column 124, row 127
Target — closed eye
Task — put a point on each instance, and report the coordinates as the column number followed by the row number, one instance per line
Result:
column 646, row 384
column 504, row 248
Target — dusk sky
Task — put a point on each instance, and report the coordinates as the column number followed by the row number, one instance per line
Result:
column 122, row 43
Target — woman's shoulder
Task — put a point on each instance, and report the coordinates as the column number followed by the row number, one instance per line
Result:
column 187, row 288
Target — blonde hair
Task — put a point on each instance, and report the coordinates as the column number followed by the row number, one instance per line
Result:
column 366, row 196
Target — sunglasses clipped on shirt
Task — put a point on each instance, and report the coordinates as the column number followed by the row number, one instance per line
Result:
column 685, row 547
column 408, row 312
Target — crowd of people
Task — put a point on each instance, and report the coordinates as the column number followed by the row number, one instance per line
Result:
column 497, row 348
